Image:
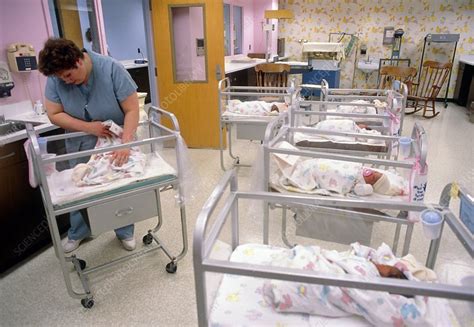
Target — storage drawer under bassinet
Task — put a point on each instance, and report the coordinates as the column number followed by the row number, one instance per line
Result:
column 251, row 131
column 122, row 212
column 333, row 227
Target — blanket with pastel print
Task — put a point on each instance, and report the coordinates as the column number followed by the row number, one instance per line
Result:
column 378, row 308
column 100, row 170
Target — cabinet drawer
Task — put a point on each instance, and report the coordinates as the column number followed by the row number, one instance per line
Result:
column 11, row 154
column 251, row 131
column 122, row 212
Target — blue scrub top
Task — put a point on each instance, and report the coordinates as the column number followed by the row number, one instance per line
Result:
column 108, row 85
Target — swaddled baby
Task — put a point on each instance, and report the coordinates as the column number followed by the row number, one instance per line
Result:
column 336, row 176
column 100, row 170
column 346, row 126
column 256, row 108
column 362, row 109
column 379, row 106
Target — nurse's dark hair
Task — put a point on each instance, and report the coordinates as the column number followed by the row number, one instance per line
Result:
column 58, row 55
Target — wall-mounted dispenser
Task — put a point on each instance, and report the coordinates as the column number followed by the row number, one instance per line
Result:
column 6, row 81
column 363, row 49
column 397, row 43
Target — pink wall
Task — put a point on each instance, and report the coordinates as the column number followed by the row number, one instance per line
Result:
column 187, row 26
column 197, row 32
column 181, row 43
column 247, row 22
column 259, row 8
column 254, row 36
column 34, row 29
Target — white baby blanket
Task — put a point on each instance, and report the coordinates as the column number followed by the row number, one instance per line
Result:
column 379, row 308
column 335, row 176
column 255, row 108
column 340, row 125
column 100, row 170
column 63, row 191
column 379, row 106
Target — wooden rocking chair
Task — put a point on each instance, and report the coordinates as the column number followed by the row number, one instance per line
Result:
column 433, row 76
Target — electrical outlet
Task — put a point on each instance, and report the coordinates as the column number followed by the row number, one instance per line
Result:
column 250, row 47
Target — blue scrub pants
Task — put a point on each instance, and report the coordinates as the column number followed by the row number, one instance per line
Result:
column 79, row 229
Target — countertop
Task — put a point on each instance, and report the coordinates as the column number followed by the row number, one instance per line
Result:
column 129, row 64
column 467, row 59
column 23, row 111
column 231, row 67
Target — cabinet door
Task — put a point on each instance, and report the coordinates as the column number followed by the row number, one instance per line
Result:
column 459, row 81
column 238, row 78
column 22, row 219
column 22, row 215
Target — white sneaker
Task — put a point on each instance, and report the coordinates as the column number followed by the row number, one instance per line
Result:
column 70, row 245
column 129, row 244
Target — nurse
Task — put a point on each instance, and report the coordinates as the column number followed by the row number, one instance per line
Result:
column 84, row 89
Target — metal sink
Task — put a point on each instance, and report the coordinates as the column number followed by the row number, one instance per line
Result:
column 12, row 126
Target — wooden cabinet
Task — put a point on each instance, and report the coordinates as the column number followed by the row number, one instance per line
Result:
column 245, row 77
column 464, row 91
column 140, row 76
column 22, row 217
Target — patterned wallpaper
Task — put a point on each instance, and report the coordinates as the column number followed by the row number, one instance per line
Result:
column 315, row 19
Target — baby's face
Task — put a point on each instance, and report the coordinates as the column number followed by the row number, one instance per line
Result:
column 373, row 178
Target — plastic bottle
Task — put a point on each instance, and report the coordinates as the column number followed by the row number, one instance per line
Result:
column 143, row 131
column 38, row 108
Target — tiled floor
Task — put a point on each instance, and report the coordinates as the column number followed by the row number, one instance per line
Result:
column 141, row 292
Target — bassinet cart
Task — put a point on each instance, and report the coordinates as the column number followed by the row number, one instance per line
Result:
column 248, row 127
column 346, row 95
column 276, row 134
column 239, row 294
column 125, row 202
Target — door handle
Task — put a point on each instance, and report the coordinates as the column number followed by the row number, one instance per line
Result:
column 7, row 156
column 124, row 212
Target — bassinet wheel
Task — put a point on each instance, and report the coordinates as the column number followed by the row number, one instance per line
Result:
column 87, row 303
column 147, row 239
column 171, row 267
column 82, row 264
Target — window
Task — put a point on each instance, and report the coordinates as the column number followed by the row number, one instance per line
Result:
column 189, row 46
column 227, row 29
column 237, row 40
column 75, row 20
column 233, row 29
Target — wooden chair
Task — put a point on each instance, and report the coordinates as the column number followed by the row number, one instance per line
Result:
column 275, row 75
column 257, row 55
column 272, row 75
column 389, row 74
column 432, row 78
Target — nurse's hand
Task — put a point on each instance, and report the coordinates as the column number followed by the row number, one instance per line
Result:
column 120, row 157
column 98, row 129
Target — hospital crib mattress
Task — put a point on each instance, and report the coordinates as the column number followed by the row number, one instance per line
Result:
column 65, row 193
column 278, row 187
column 232, row 116
column 315, row 141
column 239, row 300
column 356, row 146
